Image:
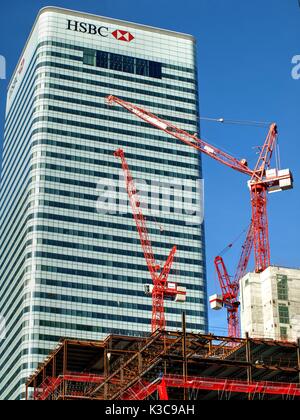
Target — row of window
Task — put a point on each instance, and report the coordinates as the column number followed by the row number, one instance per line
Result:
column 103, row 224
column 111, row 88
column 124, row 63
column 87, row 71
column 86, row 114
column 114, row 290
column 108, row 175
column 105, row 276
column 137, row 100
column 103, row 237
column 103, row 249
column 100, row 105
column 101, row 303
column 157, row 205
column 89, row 314
column 79, row 48
column 95, row 329
column 116, row 76
column 88, row 209
column 117, row 142
column 56, row 54
column 99, row 262
column 102, row 151
column 105, row 163
column 113, row 130
column 85, row 314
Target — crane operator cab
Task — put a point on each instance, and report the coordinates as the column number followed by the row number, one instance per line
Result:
column 172, row 292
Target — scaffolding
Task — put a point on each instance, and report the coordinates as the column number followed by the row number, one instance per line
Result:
column 168, row 365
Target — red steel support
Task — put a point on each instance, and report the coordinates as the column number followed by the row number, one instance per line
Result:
column 159, row 276
column 262, row 254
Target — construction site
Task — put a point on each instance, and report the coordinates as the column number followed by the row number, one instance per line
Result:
column 181, row 365
column 169, row 365
column 107, row 246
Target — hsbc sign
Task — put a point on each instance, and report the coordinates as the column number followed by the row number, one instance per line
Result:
column 123, row 35
column 103, row 31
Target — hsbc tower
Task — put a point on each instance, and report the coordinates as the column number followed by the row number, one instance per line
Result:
column 71, row 261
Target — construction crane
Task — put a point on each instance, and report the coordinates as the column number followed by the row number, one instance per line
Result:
column 161, row 288
column 230, row 288
column 263, row 180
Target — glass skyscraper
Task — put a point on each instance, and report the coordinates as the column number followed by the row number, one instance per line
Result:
column 71, row 267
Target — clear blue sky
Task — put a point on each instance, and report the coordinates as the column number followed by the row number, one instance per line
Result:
column 245, row 50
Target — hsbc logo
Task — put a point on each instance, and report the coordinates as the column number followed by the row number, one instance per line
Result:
column 123, row 35
column 103, row 31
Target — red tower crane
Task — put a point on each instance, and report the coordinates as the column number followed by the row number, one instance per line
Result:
column 161, row 287
column 262, row 180
column 230, row 288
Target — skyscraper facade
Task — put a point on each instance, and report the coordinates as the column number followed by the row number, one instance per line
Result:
column 71, row 261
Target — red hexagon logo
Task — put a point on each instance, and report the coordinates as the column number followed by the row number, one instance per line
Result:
column 123, row 35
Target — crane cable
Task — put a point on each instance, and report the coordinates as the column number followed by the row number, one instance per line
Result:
column 237, row 122
column 228, row 247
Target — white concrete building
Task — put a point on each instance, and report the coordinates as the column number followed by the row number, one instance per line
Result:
column 270, row 304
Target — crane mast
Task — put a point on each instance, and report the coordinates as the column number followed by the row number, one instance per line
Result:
column 161, row 287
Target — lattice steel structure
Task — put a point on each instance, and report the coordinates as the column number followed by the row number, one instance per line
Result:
column 169, row 365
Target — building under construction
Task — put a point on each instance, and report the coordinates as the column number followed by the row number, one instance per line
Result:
column 168, row 365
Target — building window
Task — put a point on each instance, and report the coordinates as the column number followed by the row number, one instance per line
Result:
column 284, row 317
column 102, row 59
column 142, row 67
column 283, row 333
column 282, row 287
column 155, row 69
column 116, row 62
column 128, row 64
column 89, row 57
column 123, row 63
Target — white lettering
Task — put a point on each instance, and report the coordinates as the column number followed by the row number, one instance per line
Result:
column 296, row 69
column 122, row 411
